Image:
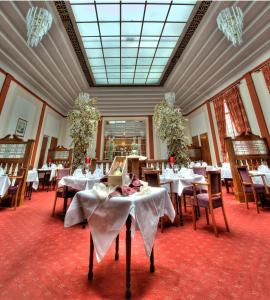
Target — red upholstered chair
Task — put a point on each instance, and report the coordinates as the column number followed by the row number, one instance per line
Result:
column 249, row 188
column 211, row 200
column 63, row 191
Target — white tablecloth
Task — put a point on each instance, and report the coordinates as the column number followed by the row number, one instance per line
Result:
column 32, row 176
column 258, row 180
column 78, row 183
column 107, row 218
column 225, row 172
column 4, row 184
column 179, row 183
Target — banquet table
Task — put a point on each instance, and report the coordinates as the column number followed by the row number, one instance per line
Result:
column 106, row 219
column 4, row 184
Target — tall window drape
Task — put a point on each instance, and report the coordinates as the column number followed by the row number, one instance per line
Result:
column 221, row 123
column 237, row 110
column 266, row 73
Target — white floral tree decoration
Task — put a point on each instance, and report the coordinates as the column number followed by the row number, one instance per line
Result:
column 83, row 120
column 170, row 124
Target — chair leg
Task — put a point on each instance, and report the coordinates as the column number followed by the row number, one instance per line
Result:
column 194, row 217
column 207, row 217
column 214, row 222
column 256, row 201
column 54, row 205
column 185, row 204
column 246, row 200
column 225, row 218
column 161, row 224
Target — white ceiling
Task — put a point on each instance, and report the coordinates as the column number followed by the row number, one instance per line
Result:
column 209, row 61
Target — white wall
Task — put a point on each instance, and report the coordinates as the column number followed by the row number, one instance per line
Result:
column 2, row 79
column 52, row 127
column 198, row 124
column 20, row 104
column 263, row 94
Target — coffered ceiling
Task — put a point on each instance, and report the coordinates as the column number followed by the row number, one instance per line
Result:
column 54, row 71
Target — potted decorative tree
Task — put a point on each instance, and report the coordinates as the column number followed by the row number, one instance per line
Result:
column 83, row 120
column 170, row 124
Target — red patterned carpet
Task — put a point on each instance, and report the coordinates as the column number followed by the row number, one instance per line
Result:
column 39, row 259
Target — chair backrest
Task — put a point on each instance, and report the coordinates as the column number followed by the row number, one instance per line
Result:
column 152, row 177
column 214, row 180
column 199, row 171
column 62, row 173
column 243, row 174
column 43, row 173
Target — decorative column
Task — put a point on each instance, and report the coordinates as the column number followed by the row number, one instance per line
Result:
column 40, row 124
column 213, row 132
column 99, row 136
column 151, row 139
column 257, row 107
column 4, row 91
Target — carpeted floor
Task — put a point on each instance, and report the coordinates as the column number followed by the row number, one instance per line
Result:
column 39, row 259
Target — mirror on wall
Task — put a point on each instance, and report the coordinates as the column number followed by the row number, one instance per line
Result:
column 124, row 137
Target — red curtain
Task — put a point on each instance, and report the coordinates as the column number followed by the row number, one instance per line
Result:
column 266, row 73
column 221, row 123
column 237, row 110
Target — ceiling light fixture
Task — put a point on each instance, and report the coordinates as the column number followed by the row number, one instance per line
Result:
column 38, row 22
column 230, row 22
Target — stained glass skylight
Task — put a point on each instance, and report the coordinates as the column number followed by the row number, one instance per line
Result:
column 130, row 42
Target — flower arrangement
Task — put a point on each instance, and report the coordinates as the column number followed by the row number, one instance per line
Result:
column 83, row 120
column 170, row 124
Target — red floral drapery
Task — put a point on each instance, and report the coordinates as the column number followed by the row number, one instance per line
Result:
column 237, row 110
column 266, row 73
column 221, row 123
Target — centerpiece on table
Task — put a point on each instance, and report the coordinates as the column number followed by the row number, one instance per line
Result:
column 83, row 120
column 170, row 125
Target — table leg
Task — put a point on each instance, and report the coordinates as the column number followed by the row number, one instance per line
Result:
column 91, row 256
column 128, row 257
column 180, row 210
column 30, row 190
column 152, row 264
column 65, row 200
column 116, row 257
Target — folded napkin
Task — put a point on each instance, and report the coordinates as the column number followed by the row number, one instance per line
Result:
column 53, row 166
column 60, row 166
column 78, row 173
column 45, row 166
column 197, row 164
column 101, row 191
column 204, row 164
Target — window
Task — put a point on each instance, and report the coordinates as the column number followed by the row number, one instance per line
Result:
column 230, row 130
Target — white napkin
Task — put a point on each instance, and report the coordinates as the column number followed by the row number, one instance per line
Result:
column 197, row 164
column 191, row 165
column 204, row 164
column 53, row 166
column 45, row 166
column 78, row 173
column 263, row 168
column 100, row 191
column 60, row 167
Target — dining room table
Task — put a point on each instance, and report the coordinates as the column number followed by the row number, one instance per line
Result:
column 177, row 184
column 4, row 184
column 107, row 216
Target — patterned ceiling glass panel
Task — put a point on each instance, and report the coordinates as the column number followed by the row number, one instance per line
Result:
column 130, row 42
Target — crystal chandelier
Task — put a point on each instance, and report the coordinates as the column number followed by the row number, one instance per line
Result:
column 83, row 97
column 230, row 22
column 170, row 98
column 38, row 21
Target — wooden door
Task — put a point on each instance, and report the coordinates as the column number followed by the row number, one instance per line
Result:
column 54, row 142
column 42, row 151
column 206, row 155
column 195, row 141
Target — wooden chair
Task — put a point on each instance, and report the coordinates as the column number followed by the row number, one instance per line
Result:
column 249, row 188
column 63, row 191
column 200, row 171
column 44, row 178
column 210, row 200
column 152, row 177
column 13, row 193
